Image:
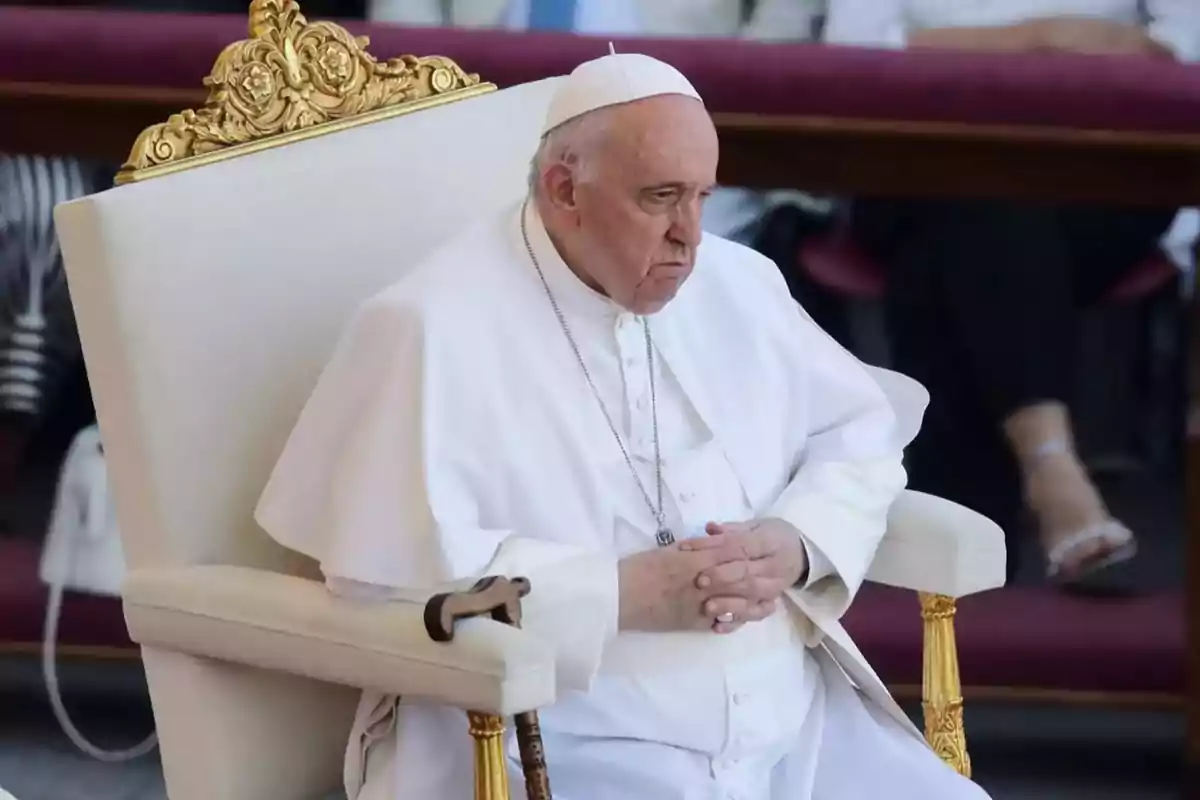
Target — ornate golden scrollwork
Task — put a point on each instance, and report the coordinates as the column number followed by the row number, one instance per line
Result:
column 942, row 689
column 293, row 79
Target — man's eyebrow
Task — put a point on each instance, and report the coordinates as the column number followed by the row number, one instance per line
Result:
column 678, row 186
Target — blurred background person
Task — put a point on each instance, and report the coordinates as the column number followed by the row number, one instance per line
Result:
column 771, row 20
column 983, row 297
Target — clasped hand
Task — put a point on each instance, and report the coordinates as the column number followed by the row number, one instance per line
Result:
column 739, row 569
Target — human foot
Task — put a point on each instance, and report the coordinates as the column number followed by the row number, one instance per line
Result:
column 1078, row 534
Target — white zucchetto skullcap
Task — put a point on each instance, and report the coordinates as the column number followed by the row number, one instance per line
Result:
column 613, row 80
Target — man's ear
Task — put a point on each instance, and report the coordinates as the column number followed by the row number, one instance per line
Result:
column 559, row 184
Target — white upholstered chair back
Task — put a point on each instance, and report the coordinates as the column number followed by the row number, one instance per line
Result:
column 208, row 301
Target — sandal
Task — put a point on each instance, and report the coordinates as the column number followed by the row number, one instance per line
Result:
column 1120, row 547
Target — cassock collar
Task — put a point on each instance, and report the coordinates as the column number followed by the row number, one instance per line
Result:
column 573, row 295
column 672, row 327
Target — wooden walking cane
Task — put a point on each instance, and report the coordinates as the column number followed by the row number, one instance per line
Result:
column 500, row 599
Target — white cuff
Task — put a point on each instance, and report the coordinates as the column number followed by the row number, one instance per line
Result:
column 819, row 565
column 573, row 604
column 841, row 510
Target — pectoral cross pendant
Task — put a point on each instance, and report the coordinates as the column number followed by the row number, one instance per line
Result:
column 664, row 537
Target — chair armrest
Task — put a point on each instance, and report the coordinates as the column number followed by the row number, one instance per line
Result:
column 288, row 624
column 936, row 546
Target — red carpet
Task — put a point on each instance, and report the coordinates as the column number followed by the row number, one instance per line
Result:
column 1031, row 637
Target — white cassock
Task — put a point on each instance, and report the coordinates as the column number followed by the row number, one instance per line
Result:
column 453, row 435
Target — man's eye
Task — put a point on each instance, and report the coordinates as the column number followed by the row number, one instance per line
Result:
column 663, row 196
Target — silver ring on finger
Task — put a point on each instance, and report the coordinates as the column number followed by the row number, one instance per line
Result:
column 726, row 618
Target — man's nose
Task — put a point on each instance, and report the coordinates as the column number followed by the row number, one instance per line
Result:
column 685, row 226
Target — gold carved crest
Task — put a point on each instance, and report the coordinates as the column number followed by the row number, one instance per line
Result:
column 290, row 80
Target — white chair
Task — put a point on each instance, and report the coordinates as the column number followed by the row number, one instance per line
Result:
column 209, row 296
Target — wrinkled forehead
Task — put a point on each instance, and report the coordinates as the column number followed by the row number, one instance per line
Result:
column 665, row 138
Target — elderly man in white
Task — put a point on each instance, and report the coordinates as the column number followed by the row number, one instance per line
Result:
column 774, row 20
column 591, row 393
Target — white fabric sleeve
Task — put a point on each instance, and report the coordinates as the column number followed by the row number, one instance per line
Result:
column 854, row 412
column 382, row 482
column 1175, row 24
column 573, row 602
column 859, row 421
column 867, row 23
column 819, row 565
column 841, row 511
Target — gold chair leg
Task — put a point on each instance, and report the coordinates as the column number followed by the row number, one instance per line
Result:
column 942, row 689
column 491, row 769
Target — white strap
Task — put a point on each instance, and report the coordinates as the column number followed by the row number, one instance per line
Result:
column 50, row 673
column 1050, row 447
column 1112, row 532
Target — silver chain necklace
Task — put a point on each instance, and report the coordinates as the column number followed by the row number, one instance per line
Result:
column 663, row 536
